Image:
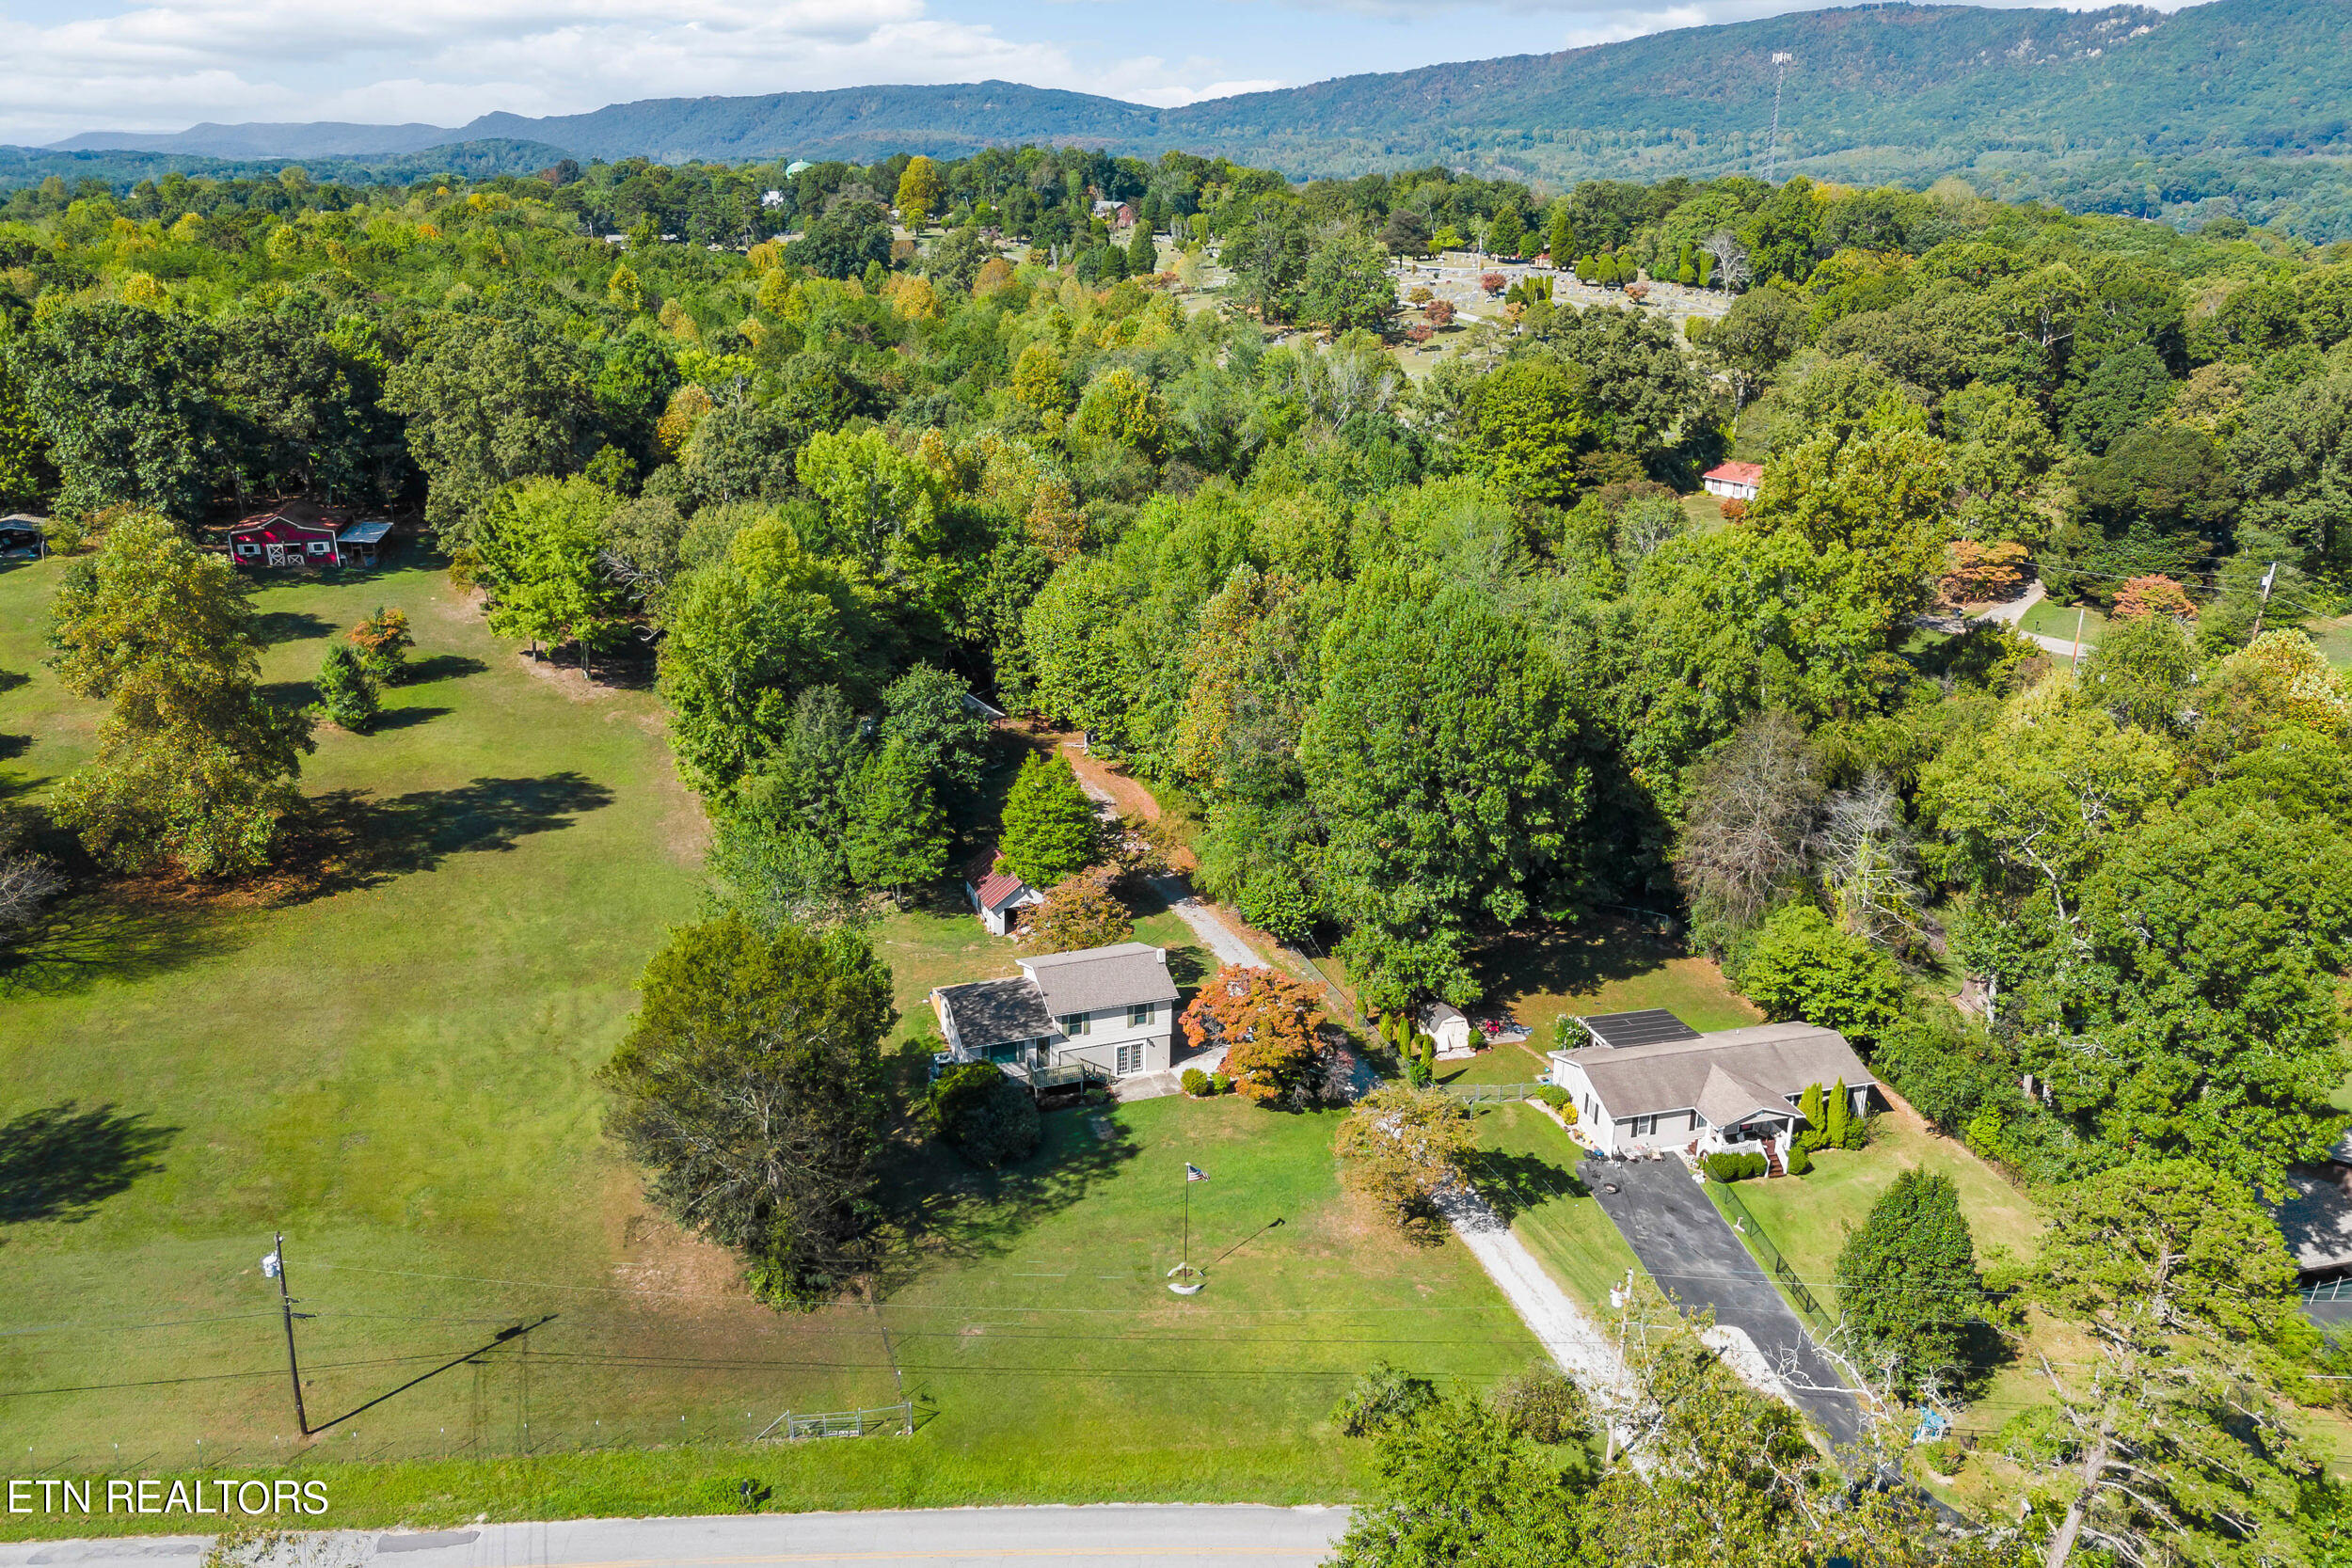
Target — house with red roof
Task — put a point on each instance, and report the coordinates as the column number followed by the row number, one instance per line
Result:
column 1734, row 481
column 996, row 893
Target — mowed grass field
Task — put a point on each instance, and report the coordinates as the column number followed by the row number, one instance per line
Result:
column 392, row 1061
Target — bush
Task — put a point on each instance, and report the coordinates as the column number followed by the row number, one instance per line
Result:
column 1383, row 1397
column 1553, row 1096
column 1220, row 1083
column 1800, row 1163
column 1542, row 1404
column 1194, row 1082
column 988, row 1118
column 1728, row 1167
column 383, row 642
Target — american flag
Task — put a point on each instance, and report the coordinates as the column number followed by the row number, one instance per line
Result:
column 1194, row 1173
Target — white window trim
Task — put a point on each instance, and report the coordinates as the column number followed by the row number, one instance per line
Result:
column 1075, row 1024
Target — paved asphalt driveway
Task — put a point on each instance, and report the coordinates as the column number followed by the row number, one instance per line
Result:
column 1142, row 1536
column 1689, row 1251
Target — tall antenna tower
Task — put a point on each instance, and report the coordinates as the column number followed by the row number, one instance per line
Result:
column 1771, row 153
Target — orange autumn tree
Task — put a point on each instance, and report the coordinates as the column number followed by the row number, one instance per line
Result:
column 2153, row 595
column 1268, row 1022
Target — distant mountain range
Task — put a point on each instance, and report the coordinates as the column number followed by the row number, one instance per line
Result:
column 1899, row 92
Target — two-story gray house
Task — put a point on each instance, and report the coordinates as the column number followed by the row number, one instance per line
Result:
column 1105, row 1012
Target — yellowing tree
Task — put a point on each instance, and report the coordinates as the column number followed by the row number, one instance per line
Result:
column 920, row 191
column 623, row 290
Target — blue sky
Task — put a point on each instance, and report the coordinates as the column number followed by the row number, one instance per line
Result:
column 163, row 65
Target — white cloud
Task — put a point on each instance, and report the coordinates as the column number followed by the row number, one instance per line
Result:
column 166, row 65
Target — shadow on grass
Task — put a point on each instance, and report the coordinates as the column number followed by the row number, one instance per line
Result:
column 14, row 746
column 349, row 839
column 442, row 667
column 76, row 944
column 938, row 1206
column 1514, row 1183
column 60, row 1162
column 289, row 625
column 11, row 679
column 405, row 718
column 1567, row 959
column 290, row 696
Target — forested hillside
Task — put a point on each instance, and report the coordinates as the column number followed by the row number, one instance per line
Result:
column 2229, row 108
column 1425, row 665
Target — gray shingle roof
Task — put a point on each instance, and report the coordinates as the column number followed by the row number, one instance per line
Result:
column 994, row 1012
column 2316, row 1218
column 1775, row 1059
column 1096, row 980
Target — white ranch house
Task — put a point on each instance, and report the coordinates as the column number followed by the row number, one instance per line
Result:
column 1102, row 1013
column 1649, row 1082
column 1734, row 481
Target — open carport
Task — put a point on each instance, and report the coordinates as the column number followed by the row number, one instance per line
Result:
column 1684, row 1244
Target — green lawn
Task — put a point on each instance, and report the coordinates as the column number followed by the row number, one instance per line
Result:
column 2049, row 618
column 1807, row 1216
column 1605, row 965
column 1527, row 1169
column 390, row 1061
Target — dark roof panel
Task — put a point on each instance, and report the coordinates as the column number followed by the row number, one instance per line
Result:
column 996, row 1012
column 1651, row 1026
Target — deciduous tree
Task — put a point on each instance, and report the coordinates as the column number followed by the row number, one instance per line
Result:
column 750, row 1089
column 1400, row 1147
column 1268, row 1022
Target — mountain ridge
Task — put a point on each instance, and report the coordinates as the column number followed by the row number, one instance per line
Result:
column 1899, row 91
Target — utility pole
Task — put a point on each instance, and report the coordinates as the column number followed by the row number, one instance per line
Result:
column 2269, row 578
column 2079, row 612
column 1771, row 153
column 1624, row 1298
column 273, row 1266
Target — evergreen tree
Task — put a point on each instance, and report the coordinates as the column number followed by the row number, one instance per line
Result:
column 1505, row 234
column 1143, row 256
column 1839, row 1130
column 1686, row 270
column 346, row 690
column 1051, row 831
column 1809, row 1107
column 1561, row 241
column 897, row 837
column 1907, row 1281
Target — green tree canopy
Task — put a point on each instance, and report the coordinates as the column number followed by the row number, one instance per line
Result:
column 750, row 1089
column 1907, row 1284
column 1051, row 830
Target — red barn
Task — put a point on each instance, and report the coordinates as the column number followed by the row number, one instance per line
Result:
column 304, row 533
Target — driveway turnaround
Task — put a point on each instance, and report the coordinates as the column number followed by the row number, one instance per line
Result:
column 1113, row 1536
column 1693, row 1254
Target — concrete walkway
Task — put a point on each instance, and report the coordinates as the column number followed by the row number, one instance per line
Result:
column 1112, row 1536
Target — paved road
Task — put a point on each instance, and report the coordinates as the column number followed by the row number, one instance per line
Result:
column 1689, row 1250
column 1156, row 1535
